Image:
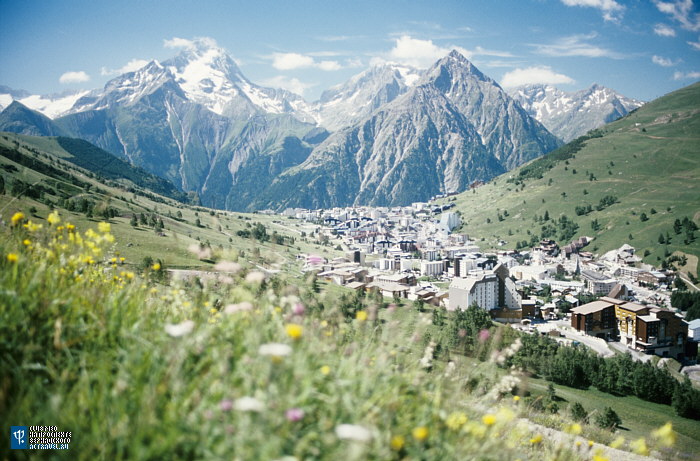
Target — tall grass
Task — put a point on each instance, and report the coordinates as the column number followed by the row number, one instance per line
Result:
column 237, row 367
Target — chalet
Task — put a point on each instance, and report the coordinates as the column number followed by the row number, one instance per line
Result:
column 694, row 330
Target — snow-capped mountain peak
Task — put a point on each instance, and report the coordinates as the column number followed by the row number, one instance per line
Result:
column 569, row 115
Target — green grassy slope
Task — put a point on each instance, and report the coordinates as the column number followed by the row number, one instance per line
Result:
column 218, row 229
column 647, row 160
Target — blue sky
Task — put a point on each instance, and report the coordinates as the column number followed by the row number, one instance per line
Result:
column 641, row 48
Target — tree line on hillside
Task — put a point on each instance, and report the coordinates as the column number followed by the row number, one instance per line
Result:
column 620, row 375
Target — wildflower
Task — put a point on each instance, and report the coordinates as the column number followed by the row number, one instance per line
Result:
column 665, row 435
column 536, row 439
column 294, row 330
column 32, row 226
column 227, row 266
column 294, row 414
column 240, row 307
column 26, row 242
column 484, row 335
column 427, row 360
column 179, row 329
column 70, row 227
column 156, row 267
column 17, row 218
column 618, row 442
column 275, row 350
column 12, row 257
column 456, row 420
column 420, row 433
column 226, row 405
column 489, row 419
column 639, row 446
column 325, row 370
column 574, row 428
column 361, row 316
column 591, row 443
column 578, row 443
column 599, row 457
column 53, row 218
column 249, row 404
column 397, row 443
column 353, row 432
column 255, row 277
column 516, row 398
column 505, row 414
column 104, row 227
column 298, row 309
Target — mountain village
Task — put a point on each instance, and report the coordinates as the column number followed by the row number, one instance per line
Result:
column 607, row 302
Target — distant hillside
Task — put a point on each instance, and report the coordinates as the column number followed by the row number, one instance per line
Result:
column 39, row 174
column 628, row 182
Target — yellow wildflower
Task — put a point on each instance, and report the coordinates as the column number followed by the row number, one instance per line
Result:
column 489, row 419
column 420, row 433
column 121, row 260
column 639, row 446
column 294, row 330
column 574, row 428
column 578, row 443
column 16, row 218
column 397, row 443
column 618, row 442
column 325, row 370
column 456, row 420
column 591, row 443
column 31, row 226
column 70, row 227
column 361, row 316
column 598, row 457
column 104, row 227
column 536, row 439
column 665, row 435
column 516, row 398
column 53, row 218
column 156, row 267
column 26, row 242
column 12, row 257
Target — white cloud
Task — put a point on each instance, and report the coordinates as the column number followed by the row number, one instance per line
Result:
column 695, row 45
column 686, row 75
column 74, row 77
column 291, row 84
column 419, row 53
column 329, row 65
column 576, row 45
column 664, row 31
column 612, row 11
column 131, row 66
column 532, row 75
column 661, row 61
column 479, row 51
column 291, row 61
column 681, row 11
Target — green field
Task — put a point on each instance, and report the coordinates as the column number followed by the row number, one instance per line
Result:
column 649, row 161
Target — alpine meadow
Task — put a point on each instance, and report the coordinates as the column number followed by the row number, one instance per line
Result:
column 350, row 231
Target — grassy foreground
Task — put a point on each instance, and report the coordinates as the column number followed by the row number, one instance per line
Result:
column 235, row 368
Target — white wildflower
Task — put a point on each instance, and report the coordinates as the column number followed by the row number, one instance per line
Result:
column 427, row 360
column 249, row 404
column 227, row 266
column 240, row 307
column 179, row 329
column 275, row 350
column 255, row 277
column 353, row 432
